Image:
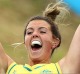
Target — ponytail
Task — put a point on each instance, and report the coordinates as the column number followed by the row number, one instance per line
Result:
column 56, row 12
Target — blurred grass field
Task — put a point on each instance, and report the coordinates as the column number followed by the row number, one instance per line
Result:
column 13, row 16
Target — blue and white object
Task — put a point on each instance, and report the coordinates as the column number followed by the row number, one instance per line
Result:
column 74, row 5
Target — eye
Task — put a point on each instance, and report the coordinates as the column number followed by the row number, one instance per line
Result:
column 42, row 31
column 29, row 31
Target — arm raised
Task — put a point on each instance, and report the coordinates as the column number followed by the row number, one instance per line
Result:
column 5, row 60
column 71, row 62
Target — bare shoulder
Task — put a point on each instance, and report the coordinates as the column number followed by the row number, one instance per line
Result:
column 10, row 60
column 62, row 63
column 64, row 66
column 69, row 67
column 5, row 60
column 71, row 62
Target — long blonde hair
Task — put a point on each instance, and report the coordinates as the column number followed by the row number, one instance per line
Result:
column 57, row 12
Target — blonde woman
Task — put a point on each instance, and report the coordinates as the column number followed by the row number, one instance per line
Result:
column 41, row 38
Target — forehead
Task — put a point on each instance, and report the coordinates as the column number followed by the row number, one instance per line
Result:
column 38, row 23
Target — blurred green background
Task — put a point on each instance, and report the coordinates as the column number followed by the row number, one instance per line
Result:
column 13, row 16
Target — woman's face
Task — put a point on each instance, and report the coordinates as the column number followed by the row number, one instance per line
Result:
column 38, row 40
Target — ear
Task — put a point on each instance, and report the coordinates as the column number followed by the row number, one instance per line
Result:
column 55, row 43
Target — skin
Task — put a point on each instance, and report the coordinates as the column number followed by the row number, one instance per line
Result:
column 40, row 30
column 71, row 62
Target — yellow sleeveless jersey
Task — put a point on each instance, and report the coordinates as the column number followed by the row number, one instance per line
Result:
column 52, row 68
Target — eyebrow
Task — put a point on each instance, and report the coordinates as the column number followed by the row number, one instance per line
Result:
column 43, row 28
column 29, row 28
column 38, row 28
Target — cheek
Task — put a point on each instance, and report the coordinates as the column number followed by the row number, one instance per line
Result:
column 47, row 44
column 48, row 49
column 48, row 39
column 27, row 40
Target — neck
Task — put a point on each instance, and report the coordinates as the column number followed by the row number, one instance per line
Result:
column 33, row 62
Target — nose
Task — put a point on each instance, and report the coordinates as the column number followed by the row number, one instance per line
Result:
column 35, row 34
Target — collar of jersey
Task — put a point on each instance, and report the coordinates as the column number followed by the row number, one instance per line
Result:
column 37, row 66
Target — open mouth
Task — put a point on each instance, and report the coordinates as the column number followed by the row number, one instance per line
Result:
column 36, row 45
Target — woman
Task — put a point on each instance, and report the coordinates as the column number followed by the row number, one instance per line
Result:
column 41, row 37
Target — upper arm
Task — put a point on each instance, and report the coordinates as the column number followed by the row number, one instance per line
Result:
column 71, row 63
column 5, row 60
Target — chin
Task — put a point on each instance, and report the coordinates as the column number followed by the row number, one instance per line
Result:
column 36, row 57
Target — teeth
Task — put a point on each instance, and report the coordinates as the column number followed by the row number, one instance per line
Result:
column 35, row 42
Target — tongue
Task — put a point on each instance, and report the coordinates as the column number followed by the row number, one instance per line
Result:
column 36, row 47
